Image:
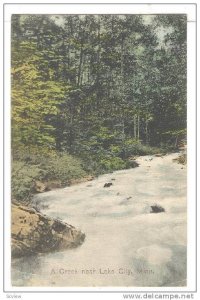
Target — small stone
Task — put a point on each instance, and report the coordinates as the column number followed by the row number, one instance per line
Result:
column 108, row 184
column 157, row 209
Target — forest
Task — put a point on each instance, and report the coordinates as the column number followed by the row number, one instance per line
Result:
column 91, row 91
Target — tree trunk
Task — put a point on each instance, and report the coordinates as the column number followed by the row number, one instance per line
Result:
column 146, row 131
column 122, row 60
column 123, row 138
column 80, row 64
column 176, row 142
column 138, row 127
column 135, row 127
column 98, row 61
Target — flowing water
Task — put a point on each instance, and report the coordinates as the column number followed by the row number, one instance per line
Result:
column 126, row 244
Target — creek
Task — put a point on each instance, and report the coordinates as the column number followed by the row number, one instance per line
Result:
column 126, row 244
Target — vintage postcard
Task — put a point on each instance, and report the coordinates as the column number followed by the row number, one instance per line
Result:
column 99, row 147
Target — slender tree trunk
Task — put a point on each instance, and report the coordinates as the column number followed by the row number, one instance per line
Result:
column 138, row 127
column 176, row 141
column 69, row 63
column 71, row 128
column 71, row 25
column 122, row 60
column 122, row 87
column 88, row 69
column 98, row 61
column 135, row 127
column 123, row 137
column 146, row 131
column 80, row 64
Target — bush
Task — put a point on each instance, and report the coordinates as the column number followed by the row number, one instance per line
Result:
column 109, row 164
column 34, row 155
column 64, row 167
column 135, row 147
column 39, row 167
column 23, row 179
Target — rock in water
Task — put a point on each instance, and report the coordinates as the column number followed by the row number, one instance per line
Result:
column 107, row 184
column 33, row 232
column 39, row 187
column 157, row 209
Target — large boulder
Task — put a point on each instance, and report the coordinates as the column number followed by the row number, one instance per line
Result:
column 33, row 232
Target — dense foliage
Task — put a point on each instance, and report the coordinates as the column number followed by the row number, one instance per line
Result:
column 98, row 87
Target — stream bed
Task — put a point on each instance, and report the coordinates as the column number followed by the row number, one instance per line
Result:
column 126, row 244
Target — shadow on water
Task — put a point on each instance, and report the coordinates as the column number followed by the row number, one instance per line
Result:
column 25, row 268
column 168, row 273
